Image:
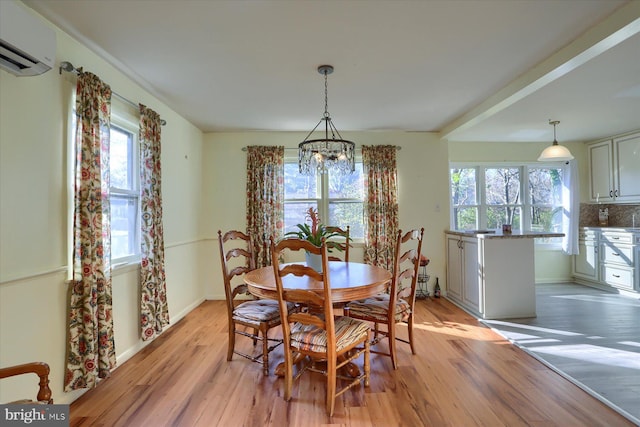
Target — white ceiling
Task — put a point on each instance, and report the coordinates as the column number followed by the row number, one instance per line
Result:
column 474, row 70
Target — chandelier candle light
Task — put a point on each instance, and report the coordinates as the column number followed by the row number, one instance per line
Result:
column 331, row 152
column 555, row 152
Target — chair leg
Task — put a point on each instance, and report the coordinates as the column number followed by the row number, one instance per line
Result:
column 331, row 385
column 367, row 366
column 410, row 327
column 288, row 373
column 256, row 333
column 265, row 351
column 392, row 344
column 232, row 340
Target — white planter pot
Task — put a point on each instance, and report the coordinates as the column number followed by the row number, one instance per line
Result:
column 314, row 261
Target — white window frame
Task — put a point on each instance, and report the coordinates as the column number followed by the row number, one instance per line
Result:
column 323, row 201
column 122, row 119
column 524, row 204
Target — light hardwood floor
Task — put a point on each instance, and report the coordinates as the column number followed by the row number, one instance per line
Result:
column 463, row 375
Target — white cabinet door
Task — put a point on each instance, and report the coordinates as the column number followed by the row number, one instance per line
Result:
column 627, row 176
column 471, row 274
column 585, row 264
column 601, row 171
column 454, row 267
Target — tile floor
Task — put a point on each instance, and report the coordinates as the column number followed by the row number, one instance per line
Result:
column 588, row 335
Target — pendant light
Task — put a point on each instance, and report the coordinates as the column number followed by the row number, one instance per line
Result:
column 329, row 152
column 555, row 152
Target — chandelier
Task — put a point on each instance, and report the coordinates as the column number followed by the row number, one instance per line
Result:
column 331, row 152
column 555, row 152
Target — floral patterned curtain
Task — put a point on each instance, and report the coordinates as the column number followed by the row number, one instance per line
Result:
column 265, row 199
column 90, row 345
column 381, row 204
column 154, row 311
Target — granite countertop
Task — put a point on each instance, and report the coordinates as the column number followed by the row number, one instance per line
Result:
column 493, row 234
column 611, row 228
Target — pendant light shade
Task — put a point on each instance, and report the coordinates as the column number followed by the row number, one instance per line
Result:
column 330, row 150
column 555, row 152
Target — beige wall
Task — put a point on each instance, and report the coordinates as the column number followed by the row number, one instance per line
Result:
column 34, row 214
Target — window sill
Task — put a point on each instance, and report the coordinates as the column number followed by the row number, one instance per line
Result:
column 125, row 267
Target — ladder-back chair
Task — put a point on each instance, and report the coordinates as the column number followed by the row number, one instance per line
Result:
column 397, row 306
column 315, row 331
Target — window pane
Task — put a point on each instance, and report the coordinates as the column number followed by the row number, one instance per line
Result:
column 502, row 186
column 463, row 186
column 465, row 218
column 342, row 214
column 121, row 160
column 498, row 215
column 347, row 186
column 545, row 187
column 546, row 219
column 298, row 186
column 295, row 213
column 124, row 222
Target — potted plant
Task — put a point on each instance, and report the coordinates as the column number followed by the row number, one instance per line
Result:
column 314, row 233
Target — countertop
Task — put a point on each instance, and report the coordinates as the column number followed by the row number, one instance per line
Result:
column 612, row 228
column 493, row 234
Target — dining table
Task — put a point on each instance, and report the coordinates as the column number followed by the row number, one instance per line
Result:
column 349, row 281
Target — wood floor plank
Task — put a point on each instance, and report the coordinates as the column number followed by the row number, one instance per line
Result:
column 463, row 374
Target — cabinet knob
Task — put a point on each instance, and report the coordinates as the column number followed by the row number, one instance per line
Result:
column 610, row 193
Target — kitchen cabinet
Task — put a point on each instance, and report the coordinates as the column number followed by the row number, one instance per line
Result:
column 617, row 260
column 614, row 169
column 585, row 264
column 462, row 271
column 492, row 275
column 609, row 257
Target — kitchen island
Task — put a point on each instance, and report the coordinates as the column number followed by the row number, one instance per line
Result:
column 491, row 274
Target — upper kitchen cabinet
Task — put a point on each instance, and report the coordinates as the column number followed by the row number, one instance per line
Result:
column 614, row 169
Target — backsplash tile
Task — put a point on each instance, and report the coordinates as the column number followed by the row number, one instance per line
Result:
column 619, row 215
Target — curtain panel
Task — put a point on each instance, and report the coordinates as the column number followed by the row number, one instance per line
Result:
column 90, row 341
column 265, row 199
column 381, row 204
column 154, row 310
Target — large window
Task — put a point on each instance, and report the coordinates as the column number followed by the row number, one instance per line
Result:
column 125, row 193
column 529, row 197
column 338, row 199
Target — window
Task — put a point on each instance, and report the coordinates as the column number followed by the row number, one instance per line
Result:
column 125, row 193
column 338, row 199
column 529, row 197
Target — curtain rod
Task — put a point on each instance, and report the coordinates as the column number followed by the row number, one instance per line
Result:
column 68, row 67
column 398, row 148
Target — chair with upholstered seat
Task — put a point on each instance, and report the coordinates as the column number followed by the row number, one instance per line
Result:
column 41, row 369
column 341, row 247
column 396, row 306
column 259, row 316
column 315, row 331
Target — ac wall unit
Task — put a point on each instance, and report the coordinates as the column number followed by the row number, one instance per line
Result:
column 27, row 45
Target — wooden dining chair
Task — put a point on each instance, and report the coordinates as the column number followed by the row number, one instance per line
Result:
column 342, row 248
column 396, row 306
column 315, row 331
column 41, row 369
column 255, row 315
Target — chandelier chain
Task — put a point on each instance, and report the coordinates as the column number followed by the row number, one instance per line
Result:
column 326, row 95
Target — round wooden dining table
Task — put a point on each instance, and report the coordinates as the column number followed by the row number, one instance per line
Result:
column 349, row 281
